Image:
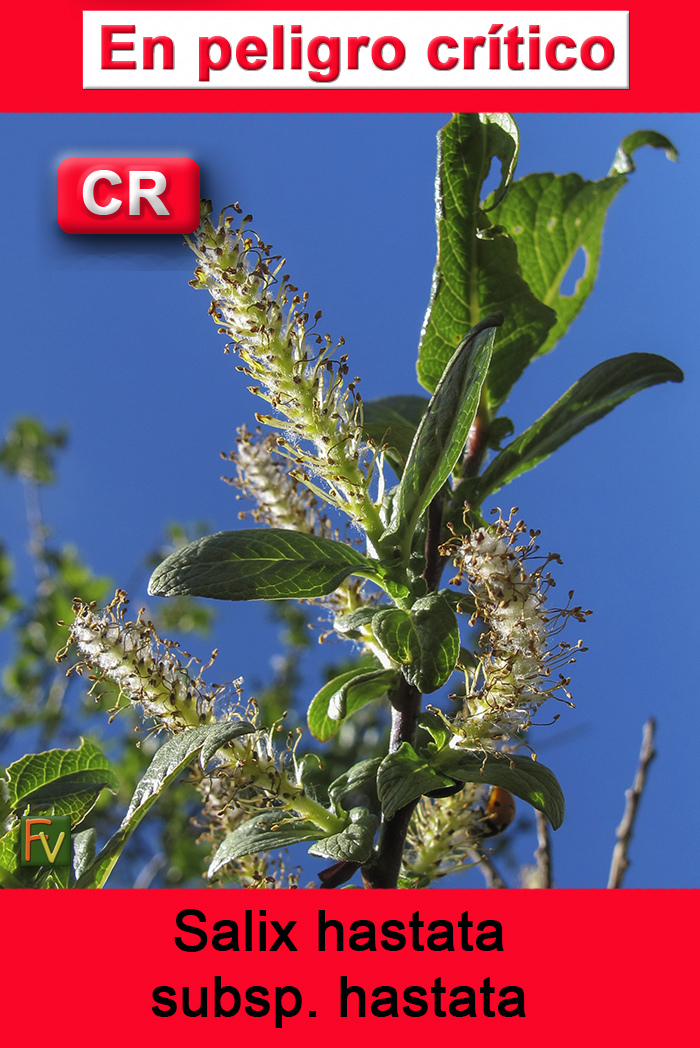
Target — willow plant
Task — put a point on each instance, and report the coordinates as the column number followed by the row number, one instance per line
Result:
column 429, row 591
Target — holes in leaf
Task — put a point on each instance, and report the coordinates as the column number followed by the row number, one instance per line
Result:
column 492, row 180
column 574, row 273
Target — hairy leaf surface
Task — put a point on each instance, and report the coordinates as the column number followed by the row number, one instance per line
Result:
column 264, row 832
column 354, row 843
column 258, row 564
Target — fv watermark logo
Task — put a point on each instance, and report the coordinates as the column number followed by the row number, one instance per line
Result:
column 45, row 840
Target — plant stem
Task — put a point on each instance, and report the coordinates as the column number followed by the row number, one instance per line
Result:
column 543, row 855
column 620, row 862
column 477, row 443
column 311, row 809
column 383, row 870
column 434, row 562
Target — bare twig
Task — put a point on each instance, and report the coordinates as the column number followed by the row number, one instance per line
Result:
column 37, row 529
column 486, row 865
column 620, row 862
column 543, row 855
column 150, row 870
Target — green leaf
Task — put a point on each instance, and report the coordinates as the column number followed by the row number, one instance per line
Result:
column 477, row 270
column 258, row 564
column 341, row 697
column 444, row 428
column 8, row 880
column 5, row 806
column 403, row 777
column 84, row 850
column 391, row 422
column 9, row 852
column 424, row 641
column 527, row 779
column 599, row 391
column 550, row 218
column 67, row 781
column 500, row 429
column 170, row 760
column 354, row 779
column 623, row 163
column 353, row 621
column 58, row 877
column 354, row 843
column 264, row 832
column 436, row 728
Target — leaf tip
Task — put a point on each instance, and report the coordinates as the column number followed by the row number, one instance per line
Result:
column 157, row 587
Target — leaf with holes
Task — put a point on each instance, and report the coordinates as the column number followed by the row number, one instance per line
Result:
column 550, row 218
column 477, row 269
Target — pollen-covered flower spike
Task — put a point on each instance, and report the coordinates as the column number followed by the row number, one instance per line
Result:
column 299, row 372
column 147, row 670
column 280, row 500
column 514, row 672
column 442, row 836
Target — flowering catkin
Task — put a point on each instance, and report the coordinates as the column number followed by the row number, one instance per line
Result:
column 513, row 676
column 280, row 501
column 266, row 319
column 149, row 672
column 146, row 669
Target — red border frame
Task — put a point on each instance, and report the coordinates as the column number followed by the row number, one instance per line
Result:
column 42, row 71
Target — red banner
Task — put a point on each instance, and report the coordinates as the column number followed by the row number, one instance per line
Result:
column 537, row 968
column 51, row 58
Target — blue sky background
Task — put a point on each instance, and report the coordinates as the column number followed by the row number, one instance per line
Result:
column 104, row 334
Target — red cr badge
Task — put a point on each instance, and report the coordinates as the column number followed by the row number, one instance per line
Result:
column 128, row 195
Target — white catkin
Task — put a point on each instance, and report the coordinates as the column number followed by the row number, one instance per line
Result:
column 514, row 675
